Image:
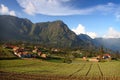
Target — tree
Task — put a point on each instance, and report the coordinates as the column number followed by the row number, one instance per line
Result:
column 101, row 50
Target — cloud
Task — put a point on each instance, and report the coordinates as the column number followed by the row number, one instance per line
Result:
column 92, row 34
column 5, row 10
column 81, row 30
column 117, row 14
column 46, row 7
column 112, row 33
column 61, row 8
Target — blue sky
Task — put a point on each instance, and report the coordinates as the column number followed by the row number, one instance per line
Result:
column 97, row 18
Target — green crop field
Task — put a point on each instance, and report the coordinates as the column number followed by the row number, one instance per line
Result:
column 78, row 70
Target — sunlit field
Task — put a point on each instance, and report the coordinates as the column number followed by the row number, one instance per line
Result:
column 40, row 69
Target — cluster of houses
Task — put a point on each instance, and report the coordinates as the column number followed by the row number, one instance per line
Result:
column 98, row 58
column 22, row 52
column 27, row 53
column 104, row 57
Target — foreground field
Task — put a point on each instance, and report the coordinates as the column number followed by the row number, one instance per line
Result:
column 38, row 69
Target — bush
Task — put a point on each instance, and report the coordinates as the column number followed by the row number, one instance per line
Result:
column 68, row 58
column 67, row 61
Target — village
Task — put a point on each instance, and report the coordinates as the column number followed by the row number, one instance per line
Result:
column 22, row 52
column 37, row 52
column 39, row 60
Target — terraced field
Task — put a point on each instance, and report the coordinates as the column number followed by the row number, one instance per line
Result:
column 55, row 71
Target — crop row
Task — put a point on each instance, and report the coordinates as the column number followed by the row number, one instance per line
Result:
column 62, row 69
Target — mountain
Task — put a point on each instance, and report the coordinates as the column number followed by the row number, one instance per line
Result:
column 87, row 39
column 55, row 34
column 50, row 34
column 14, row 28
column 109, row 43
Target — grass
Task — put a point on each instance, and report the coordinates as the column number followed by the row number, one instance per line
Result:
column 77, row 70
column 110, row 68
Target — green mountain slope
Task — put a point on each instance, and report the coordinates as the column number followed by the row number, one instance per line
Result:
column 54, row 34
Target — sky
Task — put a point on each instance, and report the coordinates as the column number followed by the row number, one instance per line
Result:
column 96, row 18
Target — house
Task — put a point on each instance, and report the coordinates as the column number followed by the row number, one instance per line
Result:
column 15, row 48
column 94, row 59
column 84, row 58
column 55, row 50
column 106, row 56
column 43, row 55
column 26, row 54
column 39, row 53
column 35, row 50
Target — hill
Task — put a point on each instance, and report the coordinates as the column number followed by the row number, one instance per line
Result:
column 54, row 34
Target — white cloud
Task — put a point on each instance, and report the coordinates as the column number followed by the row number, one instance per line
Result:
column 56, row 8
column 112, row 33
column 46, row 7
column 81, row 30
column 105, row 8
column 5, row 10
column 117, row 14
column 92, row 34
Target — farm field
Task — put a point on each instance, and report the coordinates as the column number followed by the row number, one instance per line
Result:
column 39, row 69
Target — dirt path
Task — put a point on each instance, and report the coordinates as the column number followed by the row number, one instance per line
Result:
column 77, row 70
column 89, row 70
column 100, row 70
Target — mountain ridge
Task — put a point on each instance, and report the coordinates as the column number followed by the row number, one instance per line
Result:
column 56, row 33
